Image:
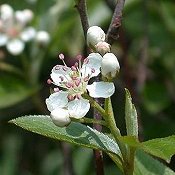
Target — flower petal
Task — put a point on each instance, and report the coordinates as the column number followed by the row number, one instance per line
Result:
column 15, row 46
column 78, row 108
column 60, row 117
column 57, row 100
column 28, row 34
column 60, row 73
column 91, row 65
column 3, row 39
column 101, row 89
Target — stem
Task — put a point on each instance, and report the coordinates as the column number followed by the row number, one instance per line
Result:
column 82, row 10
column 95, row 105
column 113, row 30
column 89, row 120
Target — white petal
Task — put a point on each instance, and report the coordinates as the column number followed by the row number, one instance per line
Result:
column 93, row 63
column 3, row 39
column 28, row 34
column 42, row 37
column 15, row 46
column 60, row 117
column 60, row 71
column 101, row 89
column 57, row 100
column 78, row 108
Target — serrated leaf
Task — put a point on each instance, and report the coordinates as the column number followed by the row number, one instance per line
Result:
column 147, row 165
column 75, row 133
column 160, row 147
column 130, row 116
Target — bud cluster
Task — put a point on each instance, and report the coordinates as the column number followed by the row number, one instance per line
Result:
column 14, row 29
column 96, row 41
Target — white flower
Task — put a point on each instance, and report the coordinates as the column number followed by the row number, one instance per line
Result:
column 42, row 37
column 95, row 35
column 74, row 82
column 13, row 30
column 110, row 65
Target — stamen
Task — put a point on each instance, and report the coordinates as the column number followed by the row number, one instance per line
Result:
column 61, row 56
column 86, row 79
column 77, row 82
column 62, row 78
column 78, row 96
column 73, row 68
column 56, row 89
column 86, row 60
column 49, row 81
column 92, row 70
column 70, row 97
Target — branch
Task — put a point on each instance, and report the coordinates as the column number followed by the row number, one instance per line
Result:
column 112, row 33
column 82, row 10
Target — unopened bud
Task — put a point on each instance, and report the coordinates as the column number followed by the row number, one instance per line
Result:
column 95, row 35
column 6, row 12
column 102, row 47
column 60, row 117
column 110, row 65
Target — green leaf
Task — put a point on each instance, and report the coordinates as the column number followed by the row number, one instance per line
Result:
column 147, row 165
column 130, row 116
column 160, row 147
column 75, row 133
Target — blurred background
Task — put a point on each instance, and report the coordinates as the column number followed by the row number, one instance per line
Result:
column 146, row 52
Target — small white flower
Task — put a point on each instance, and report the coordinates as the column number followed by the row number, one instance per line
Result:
column 42, row 37
column 74, row 82
column 110, row 65
column 95, row 35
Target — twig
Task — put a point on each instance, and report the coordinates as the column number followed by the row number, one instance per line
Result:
column 113, row 30
column 82, row 10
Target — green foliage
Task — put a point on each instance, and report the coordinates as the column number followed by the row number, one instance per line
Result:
column 147, row 165
column 75, row 133
column 13, row 90
column 130, row 116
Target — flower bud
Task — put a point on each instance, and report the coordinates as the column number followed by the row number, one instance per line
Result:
column 42, row 37
column 60, row 117
column 6, row 12
column 94, row 35
column 110, row 65
column 102, row 47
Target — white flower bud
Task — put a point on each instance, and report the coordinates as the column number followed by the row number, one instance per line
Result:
column 102, row 47
column 60, row 117
column 42, row 37
column 6, row 12
column 24, row 16
column 94, row 35
column 28, row 15
column 110, row 65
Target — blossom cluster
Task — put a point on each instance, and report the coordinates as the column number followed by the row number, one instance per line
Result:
column 67, row 101
column 14, row 29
